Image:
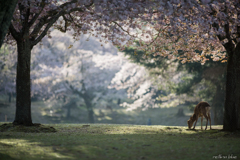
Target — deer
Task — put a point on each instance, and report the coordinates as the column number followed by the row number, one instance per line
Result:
column 201, row 109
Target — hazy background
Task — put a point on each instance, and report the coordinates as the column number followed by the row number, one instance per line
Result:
column 88, row 81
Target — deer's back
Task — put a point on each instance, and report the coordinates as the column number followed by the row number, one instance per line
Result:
column 201, row 108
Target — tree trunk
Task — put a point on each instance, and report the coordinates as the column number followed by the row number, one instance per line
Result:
column 6, row 12
column 9, row 97
column 218, row 105
column 232, row 101
column 23, row 84
column 180, row 113
column 68, row 112
column 90, row 111
column 90, row 115
column 88, row 101
column 237, row 80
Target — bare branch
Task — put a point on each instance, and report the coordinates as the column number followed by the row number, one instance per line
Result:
column 121, row 28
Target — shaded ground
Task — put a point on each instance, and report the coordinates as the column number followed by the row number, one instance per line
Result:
column 36, row 128
column 130, row 142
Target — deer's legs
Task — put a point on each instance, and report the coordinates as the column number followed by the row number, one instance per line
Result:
column 209, row 120
column 195, row 123
column 201, row 122
column 206, row 119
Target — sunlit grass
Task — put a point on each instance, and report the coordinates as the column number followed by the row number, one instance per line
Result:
column 18, row 148
column 104, row 141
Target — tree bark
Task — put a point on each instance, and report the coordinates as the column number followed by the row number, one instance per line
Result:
column 6, row 12
column 231, row 120
column 237, row 80
column 218, row 105
column 23, row 84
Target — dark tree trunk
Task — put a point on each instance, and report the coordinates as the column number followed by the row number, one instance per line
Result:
column 23, row 84
column 119, row 101
column 218, row 105
column 6, row 12
column 237, row 80
column 232, row 101
column 9, row 97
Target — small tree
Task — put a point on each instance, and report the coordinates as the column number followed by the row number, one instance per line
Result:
column 85, row 69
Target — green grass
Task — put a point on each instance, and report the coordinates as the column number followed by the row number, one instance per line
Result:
column 110, row 142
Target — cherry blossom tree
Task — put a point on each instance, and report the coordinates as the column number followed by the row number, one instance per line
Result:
column 62, row 68
column 180, row 29
column 34, row 19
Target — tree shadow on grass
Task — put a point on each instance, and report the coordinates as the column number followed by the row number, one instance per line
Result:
column 6, row 157
column 36, row 128
column 77, row 141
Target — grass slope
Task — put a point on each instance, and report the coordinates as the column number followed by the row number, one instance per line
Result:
column 110, row 142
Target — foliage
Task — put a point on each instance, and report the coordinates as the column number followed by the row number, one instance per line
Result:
column 190, row 26
column 202, row 81
column 160, row 72
column 207, row 74
column 147, row 60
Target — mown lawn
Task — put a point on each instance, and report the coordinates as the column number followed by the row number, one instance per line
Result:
column 110, row 142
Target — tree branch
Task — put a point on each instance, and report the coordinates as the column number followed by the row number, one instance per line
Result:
column 14, row 33
column 65, row 26
column 121, row 28
column 72, row 20
column 54, row 14
column 49, row 25
column 75, row 90
column 43, row 4
column 25, row 22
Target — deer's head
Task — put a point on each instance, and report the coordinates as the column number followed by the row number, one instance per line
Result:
column 190, row 122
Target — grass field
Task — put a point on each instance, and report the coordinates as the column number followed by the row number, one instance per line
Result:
column 110, row 142
column 159, row 116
